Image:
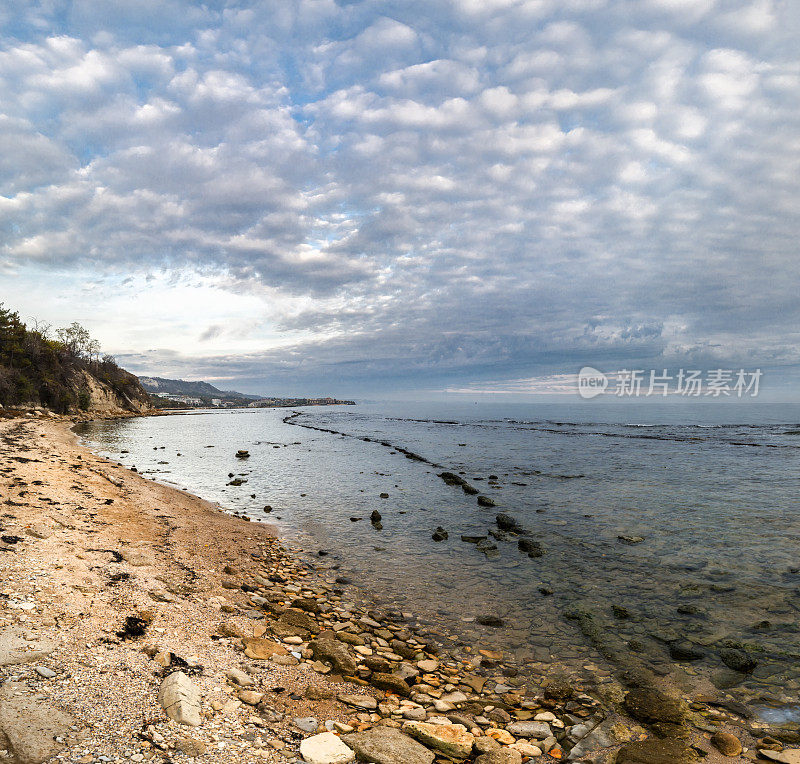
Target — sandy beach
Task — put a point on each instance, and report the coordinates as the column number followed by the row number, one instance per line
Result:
column 140, row 623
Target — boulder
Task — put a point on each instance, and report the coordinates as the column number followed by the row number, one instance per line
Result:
column 262, row 649
column 325, row 749
column 390, row 683
column 385, row 745
column 726, row 743
column 334, row 652
column 538, row 730
column 30, row 726
column 180, row 699
column 451, row 739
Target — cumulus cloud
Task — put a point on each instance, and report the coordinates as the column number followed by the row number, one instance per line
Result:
column 422, row 191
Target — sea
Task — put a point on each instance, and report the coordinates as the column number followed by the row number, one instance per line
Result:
column 665, row 535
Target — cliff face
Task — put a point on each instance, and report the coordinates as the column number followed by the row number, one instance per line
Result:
column 65, row 375
column 105, row 400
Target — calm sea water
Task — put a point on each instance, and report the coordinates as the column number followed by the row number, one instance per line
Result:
column 711, row 489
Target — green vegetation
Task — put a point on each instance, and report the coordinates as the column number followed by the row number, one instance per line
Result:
column 36, row 368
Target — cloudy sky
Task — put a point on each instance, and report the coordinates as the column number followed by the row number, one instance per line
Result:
column 309, row 196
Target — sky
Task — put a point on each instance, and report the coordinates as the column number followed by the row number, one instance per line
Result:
column 470, row 197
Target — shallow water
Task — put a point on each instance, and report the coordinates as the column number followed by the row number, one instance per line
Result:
column 715, row 503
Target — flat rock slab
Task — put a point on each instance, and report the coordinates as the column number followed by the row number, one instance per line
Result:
column 326, row 749
column 787, row 756
column 451, row 739
column 30, row 726
column 180, row 698
column 653, row 751
column 14, row 650
column 385, row 745
column 538, row 730
column 262, row 649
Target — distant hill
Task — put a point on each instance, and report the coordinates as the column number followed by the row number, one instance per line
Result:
column 159, row 385
column 65, row 375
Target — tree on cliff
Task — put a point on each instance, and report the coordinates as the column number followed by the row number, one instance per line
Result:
column 37, row 369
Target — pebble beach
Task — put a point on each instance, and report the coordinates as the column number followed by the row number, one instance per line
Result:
column 141, row 623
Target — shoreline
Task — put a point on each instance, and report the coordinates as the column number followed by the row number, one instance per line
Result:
column 239, row 608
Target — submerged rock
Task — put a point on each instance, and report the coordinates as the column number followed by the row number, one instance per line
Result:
column 440, row 534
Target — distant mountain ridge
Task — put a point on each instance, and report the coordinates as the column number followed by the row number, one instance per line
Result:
column 195, row 389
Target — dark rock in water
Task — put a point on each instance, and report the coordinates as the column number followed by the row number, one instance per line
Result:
column 323, row 553
column 375, row 517
column 242, row 454
column 490, row 620
column 545, row 591
column 469, row 489
column 530, row 547
column 456, row 480
column 356, row 519
column 508, row 523
column 738, row 660
column 631, row 539
column 726, row 743
column 558, row 687
column 472, row 539
column 237, row 482
column 653, row 751
column 651, row 706
column 620, row 612
column 685, row 651
column 440, row 534
column 267, row 508
column 689, row 610
column 485, row 501
column 384, row 495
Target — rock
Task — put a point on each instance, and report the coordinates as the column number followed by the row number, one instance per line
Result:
column 653, row 751
column 428, row 666
column 242, row 454
column 651, row 706
column 631, row 539
column 238, row 677
column 501, row 756
column 306, row 723
column 390, row 683
column 485, row 501
column 490, row 620
column 375, row 517
column 451, row 739
column 45, row 672
column 325, row 749
column 14, row 650
column 365, row 702
column 440, row 534
column 538, row 730
column 385, row 745
column 726, row 743
column 299, row 619
column 190, row 746
column 738, row 660
column 530, row 547
column 180, row 699
column 251, row 698
column 685, row 651
column 508, row 523
column 334, row 652
column 31, row 726
column 262, row 649
column 788, row 756
column 39, row 531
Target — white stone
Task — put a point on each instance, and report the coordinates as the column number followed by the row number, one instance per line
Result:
column 325, row 749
